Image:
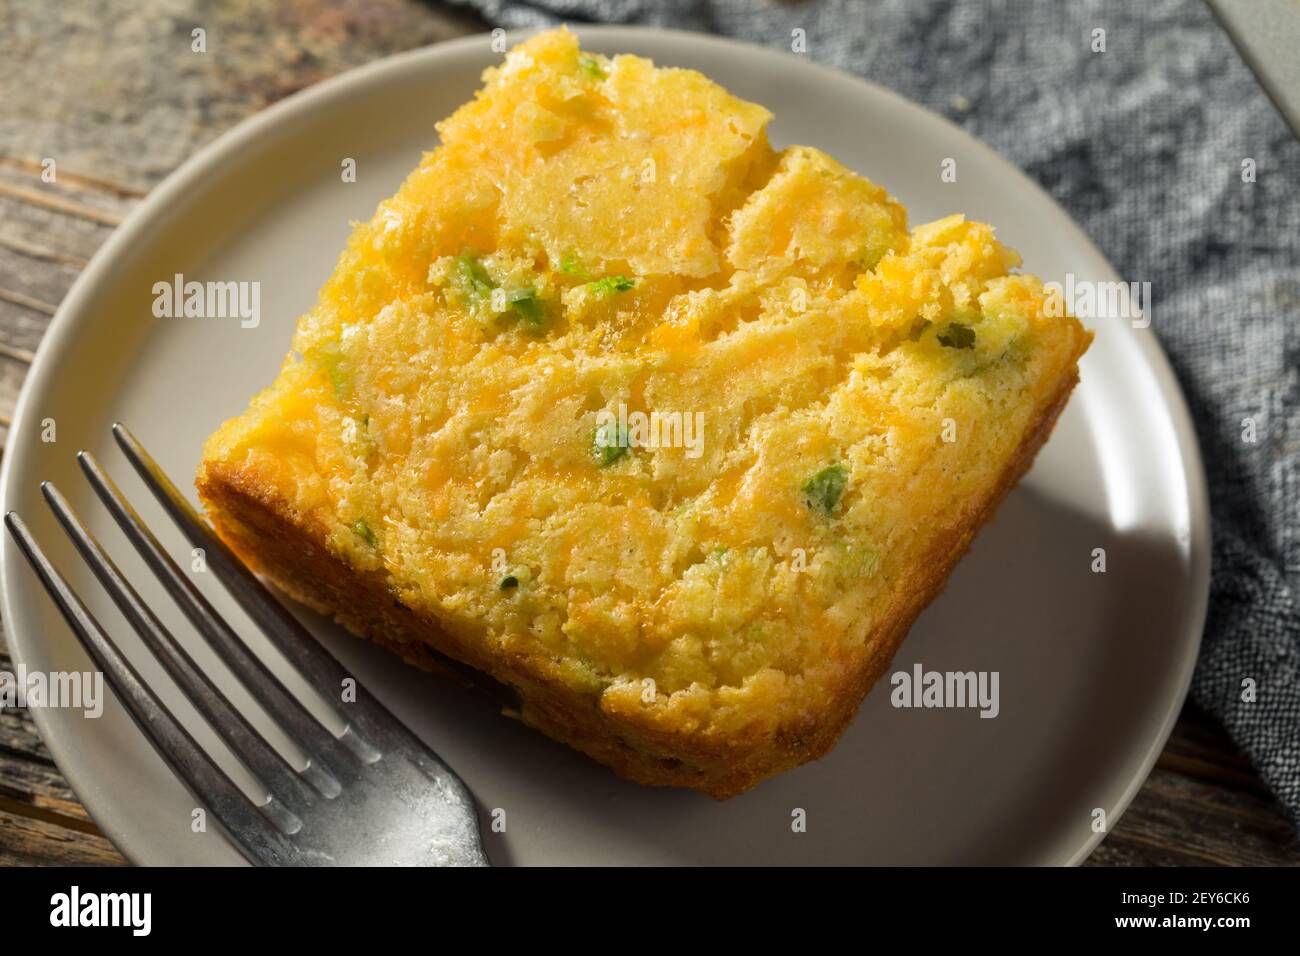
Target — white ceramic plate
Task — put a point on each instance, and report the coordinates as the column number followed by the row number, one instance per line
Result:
column 1093, row 667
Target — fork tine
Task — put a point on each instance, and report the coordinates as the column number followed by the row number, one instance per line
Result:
column 261, row 759
column 253, row 832
column 321, row 669
column 319, row 744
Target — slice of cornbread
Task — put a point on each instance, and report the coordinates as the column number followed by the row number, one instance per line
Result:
column 459, row 455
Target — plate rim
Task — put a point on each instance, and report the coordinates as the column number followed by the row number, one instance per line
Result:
column 60, row 334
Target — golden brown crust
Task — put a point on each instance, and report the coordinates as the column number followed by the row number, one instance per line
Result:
column 294, row 554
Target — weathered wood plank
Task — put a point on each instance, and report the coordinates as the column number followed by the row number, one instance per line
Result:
column 64, row 235
column 46, row 841
column 11, row 380
column 1179, row 821
column 44, row 244
column 124, row 96
column 34, row 251
column 45, row 269
column 28, row 775
column 31, row 785
column 75, row 180
column 48, row 199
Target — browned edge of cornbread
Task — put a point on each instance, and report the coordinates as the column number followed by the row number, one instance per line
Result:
column 291, row 551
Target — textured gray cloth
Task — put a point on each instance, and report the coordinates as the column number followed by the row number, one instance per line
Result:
column 1144, row 147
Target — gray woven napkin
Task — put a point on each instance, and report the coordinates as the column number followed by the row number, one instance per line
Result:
column 1144, row 147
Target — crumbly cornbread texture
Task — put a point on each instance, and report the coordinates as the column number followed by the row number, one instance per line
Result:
column 432, row 466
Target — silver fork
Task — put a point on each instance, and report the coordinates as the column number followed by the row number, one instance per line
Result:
column 376, row 794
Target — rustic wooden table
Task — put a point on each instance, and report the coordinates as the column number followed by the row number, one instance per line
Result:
column 114, row 94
